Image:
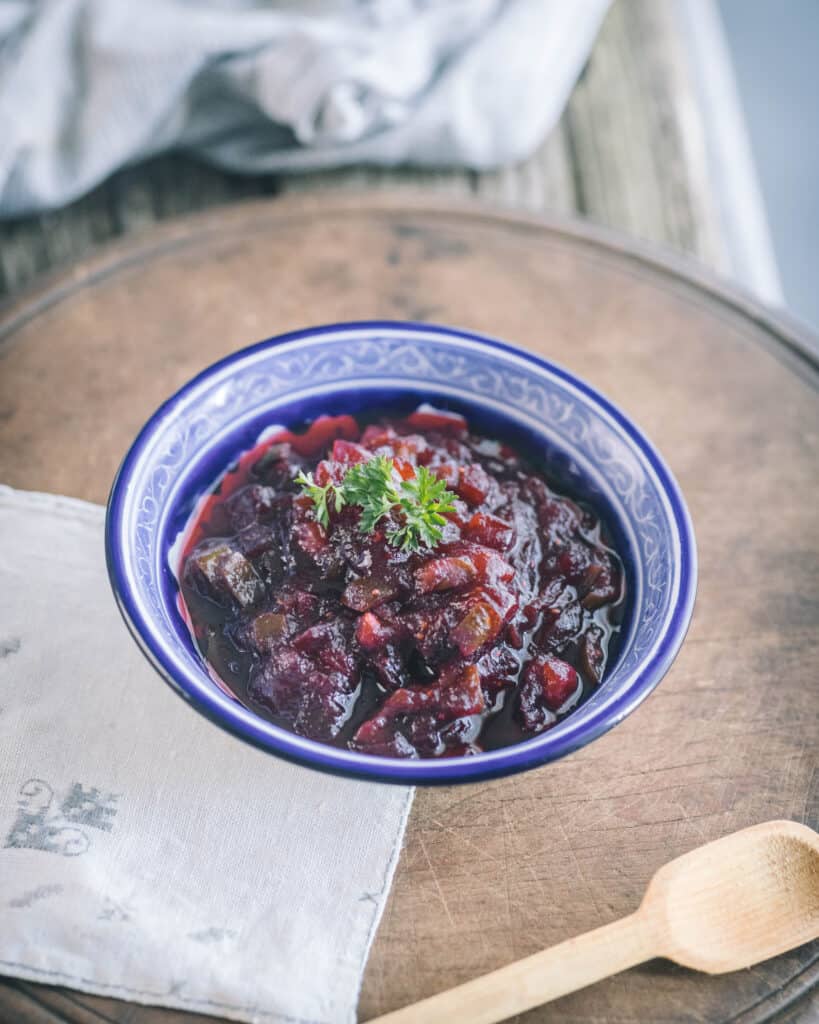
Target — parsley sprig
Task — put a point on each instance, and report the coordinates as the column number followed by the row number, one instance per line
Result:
column 424, row 500
column 321, row 496
column 377, row 488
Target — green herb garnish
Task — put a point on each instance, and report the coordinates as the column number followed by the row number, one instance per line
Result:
column 320, row 496
column 372, row 486
column 377, row 488
column 424, row 500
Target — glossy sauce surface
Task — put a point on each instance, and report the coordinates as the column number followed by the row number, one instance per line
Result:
column 493, row 636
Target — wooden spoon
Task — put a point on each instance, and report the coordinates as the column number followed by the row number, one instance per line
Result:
column 724, row 906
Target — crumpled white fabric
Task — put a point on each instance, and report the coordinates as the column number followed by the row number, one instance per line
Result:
column 87, row 86
column 144, row 853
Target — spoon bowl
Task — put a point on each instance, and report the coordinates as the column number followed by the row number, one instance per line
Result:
column 727, row 905
column 738, row 900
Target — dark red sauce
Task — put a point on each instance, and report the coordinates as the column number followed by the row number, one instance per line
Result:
column 493, row 636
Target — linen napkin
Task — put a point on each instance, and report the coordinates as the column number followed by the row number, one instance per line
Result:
column 87, row 86
column 144, row 853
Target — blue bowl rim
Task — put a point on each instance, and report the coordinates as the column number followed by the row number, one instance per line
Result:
column 223, row 710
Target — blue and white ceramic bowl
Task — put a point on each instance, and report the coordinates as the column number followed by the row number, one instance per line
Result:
column 580, row 437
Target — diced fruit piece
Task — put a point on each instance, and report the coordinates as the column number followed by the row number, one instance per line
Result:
column 559, row 518
column 322, row 431
column 427, row 418
column 371, row 633
column 429, row 630
column 462, row 694
column 328, row 472
column 446, row 471
column 560, row 612
column 560, row 682
column 348, row 453
column 314, row 698
column 263, row 545
column 328, row 643
column 299, row 606
column 465, row 562
column 460, row 514
column 593, row 653
column 549, row 684
column 430, row 738
column 406, row 470
column 309, row 537
column 445, row 574
column 481, row 624
column 498, row 668
column 228, row 574
column 255, row 503
column 369, row 592
column 491, row 531
column 384, row 742
column 481, row 614
column 267, row 629
column 531, row 710
column 575, row 562
column 326, row 704
column 272, row 458
column 278, row 682
column 493, row 568
column 457, row 694
column 257, row 540
column 559, row 629
column 314, row 638
column 377, row 436
column 388, row 665
column 553, row 681
column 605, row 589
column 473, row 484
column 412, row 448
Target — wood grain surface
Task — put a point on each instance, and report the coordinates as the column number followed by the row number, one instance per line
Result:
column 496, row 871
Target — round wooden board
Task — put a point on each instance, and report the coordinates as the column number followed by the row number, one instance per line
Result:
column 496, row 871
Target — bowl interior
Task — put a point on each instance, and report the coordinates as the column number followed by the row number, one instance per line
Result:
column 573, row 478
column 581, row 442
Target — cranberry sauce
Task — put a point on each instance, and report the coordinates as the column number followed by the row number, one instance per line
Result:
column 490, row 637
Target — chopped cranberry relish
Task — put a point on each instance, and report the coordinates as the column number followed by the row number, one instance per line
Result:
column 481, row 633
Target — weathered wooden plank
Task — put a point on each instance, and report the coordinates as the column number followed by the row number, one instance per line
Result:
column 546, row 181
column 24, row 1003
column 635, row 128
column 377, row 179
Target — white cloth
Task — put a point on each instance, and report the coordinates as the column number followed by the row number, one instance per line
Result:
column 144, row 853
column 87, row 86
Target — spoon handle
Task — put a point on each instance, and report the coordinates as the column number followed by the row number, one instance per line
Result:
column 554, row 972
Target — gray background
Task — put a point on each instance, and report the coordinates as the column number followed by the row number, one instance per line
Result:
column 775, row 49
